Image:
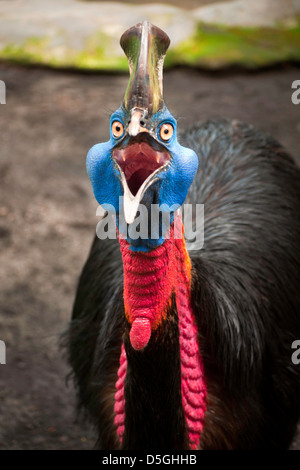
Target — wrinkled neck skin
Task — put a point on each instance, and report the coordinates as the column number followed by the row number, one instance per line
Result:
column 160, row 357
column 149, row 279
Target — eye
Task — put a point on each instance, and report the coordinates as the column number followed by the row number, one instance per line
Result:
column 166, row 131
column 117, row 129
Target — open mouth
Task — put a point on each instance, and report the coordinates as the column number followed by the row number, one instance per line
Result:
column 138, row 161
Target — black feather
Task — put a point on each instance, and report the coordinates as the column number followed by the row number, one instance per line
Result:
column 246, row 299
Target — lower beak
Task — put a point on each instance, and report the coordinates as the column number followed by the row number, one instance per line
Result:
column 139, row 165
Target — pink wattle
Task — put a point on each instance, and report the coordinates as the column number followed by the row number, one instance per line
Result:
column 149, row 279
column 193, row 386
column 140, row 333
column 119, row 407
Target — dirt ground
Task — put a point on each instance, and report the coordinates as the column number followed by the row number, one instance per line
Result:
column 48, row 220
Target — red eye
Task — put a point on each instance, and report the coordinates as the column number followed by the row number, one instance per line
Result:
column 117, row 129
column 166, row 131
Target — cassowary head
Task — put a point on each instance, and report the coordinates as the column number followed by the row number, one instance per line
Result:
column 142, row 163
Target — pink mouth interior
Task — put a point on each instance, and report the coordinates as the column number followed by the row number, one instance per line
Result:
column 138, row 161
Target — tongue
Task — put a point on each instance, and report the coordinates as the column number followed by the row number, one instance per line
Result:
column 140, row 333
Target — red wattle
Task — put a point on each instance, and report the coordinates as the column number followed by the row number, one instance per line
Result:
column 149, row 279
column 140, row 333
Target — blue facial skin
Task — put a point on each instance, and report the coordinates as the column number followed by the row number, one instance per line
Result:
column 170, row 189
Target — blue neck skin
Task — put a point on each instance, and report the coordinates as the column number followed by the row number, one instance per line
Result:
column 169, row 190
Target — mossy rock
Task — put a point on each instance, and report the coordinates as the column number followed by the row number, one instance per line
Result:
column 216, row 46
column 210, row 47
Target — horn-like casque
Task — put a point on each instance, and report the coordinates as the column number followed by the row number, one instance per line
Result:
column 145, row 46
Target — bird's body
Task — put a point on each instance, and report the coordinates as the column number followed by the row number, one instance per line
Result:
column 246, row 301
column 175, row 350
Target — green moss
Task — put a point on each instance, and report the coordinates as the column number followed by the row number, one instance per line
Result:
column 95, row 55
column 39, row 51
column 28, row 52
column 212, row 46
column 217, row 46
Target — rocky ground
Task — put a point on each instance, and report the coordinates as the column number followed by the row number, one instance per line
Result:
column 47, row 217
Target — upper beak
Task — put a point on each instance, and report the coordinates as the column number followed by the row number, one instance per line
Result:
column 135, row 127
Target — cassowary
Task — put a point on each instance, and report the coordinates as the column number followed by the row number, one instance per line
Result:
column 175, row 349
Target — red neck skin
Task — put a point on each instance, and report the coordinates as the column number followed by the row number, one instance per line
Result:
column 149, row 280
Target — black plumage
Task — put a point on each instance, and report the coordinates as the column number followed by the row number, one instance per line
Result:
column 246, row 299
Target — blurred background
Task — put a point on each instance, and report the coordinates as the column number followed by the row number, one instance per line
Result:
column 65, row 73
